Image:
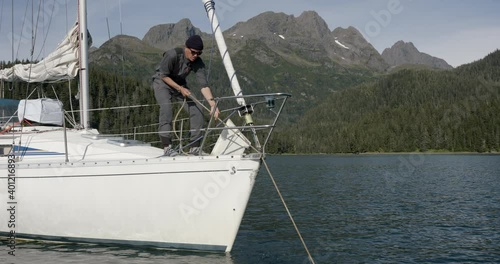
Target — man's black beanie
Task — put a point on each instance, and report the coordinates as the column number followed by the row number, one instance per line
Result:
column 195, row 42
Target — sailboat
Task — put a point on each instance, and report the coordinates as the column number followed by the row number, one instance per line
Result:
column 75, row 184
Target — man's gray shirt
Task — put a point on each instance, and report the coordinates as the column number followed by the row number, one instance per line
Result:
column 176, row 66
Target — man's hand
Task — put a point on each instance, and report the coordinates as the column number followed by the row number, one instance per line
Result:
column 210, row 99
column 185, row 91
column 214, row 111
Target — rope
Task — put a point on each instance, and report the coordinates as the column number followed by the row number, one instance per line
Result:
column 279, row 193
column 178, row 136
column 288, row 211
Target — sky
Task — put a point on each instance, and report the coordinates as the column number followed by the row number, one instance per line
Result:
column 458, row 31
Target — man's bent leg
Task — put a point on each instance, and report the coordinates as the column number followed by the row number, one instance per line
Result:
column 196, row 122
column 164, row 99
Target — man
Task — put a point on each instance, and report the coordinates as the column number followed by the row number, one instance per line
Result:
column 169, row 84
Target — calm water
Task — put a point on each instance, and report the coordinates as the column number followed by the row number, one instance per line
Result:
column 350, row 209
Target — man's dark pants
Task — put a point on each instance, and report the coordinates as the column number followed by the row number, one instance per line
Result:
column 165, row 96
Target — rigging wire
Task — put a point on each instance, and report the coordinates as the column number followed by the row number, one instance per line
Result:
column 34, row 28
column 1, row 15
column 287, row 210
column 2, row 89
column 69, row 80
column 277, row 190
column 119, row 107
column 33, row 37
column 212, row 49
column 121, row 44
column 121, row 21
column 121, row 56
column 107, row 18
column 12, row 32
column 12, row 85
column 22, row 29
column 32, row 51
column 120, row 40
column 48, row 30
column 66, row 5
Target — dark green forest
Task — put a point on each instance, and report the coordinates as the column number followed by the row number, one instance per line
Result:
column 109, row 93
column 408, row 110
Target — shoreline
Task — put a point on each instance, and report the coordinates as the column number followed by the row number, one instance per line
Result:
column 392, row 153
column 430, row 153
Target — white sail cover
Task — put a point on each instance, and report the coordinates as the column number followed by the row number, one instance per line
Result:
column 44, row 111
column 61, row 64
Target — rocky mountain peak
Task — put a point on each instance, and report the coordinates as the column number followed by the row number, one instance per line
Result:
column 265, row 24
column 316, row 25
column 309, row 25
column 402, row 53
column 166, row 36
column 350, row 47
column 350, row 31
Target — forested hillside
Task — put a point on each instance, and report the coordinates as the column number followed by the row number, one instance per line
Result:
column 410, row 110
column 119, row 104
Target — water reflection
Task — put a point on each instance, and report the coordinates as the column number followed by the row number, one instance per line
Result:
column 45, row 252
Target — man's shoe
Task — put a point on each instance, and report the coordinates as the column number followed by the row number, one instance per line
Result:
column 197, row 151
column 170, row 152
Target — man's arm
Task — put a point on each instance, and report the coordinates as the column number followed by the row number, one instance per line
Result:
column 183, row 90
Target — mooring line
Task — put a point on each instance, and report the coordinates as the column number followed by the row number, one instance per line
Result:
column 288, row 211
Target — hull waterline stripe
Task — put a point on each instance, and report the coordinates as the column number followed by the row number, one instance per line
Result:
column 122, row 174
column 198, row 247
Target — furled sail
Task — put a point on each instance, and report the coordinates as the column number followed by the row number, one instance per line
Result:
column 61, row 64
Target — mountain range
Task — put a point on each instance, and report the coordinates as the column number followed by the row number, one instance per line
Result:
column 271, row 52
column 303, row 39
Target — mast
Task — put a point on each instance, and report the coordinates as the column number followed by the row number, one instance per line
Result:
column 221, row 43
column 84, row 75
column 245, row 110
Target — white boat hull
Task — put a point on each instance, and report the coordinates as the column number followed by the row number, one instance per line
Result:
column 77, row 185
column 186, row 202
